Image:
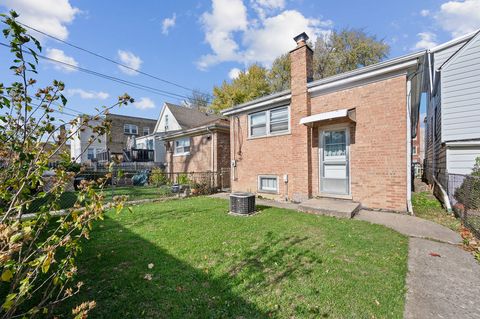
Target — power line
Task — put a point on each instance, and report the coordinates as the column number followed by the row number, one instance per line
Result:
column 110, row 60
column 109, row 77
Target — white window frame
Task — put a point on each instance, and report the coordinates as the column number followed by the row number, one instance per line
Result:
column 94, row 153
column 259, row 184
column 146, row 131
column 267, row 123
column 128, row 129
column 175, row 150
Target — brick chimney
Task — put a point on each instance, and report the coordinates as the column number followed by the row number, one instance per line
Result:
column 301, row 58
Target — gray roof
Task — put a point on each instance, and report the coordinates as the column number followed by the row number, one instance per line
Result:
column 189, row 118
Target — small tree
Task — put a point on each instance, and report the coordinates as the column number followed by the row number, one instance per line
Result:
column 37, row 252
column 468, row 193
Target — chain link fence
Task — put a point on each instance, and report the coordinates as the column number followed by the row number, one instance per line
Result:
column 464, row 194
column 137, row 183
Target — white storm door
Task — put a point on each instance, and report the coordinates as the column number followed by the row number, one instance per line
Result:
column 334, row 158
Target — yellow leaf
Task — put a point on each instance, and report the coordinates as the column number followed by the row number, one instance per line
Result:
column 7, row 275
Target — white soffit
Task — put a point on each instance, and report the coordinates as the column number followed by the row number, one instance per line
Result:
column 329, row 116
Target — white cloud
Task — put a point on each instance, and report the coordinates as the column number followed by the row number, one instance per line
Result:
column 264, row 7
column 427, row 40
column 88, row 95
column 227, row 16
column 275, row 36
column 232, row 37
column 59, row 55
column 144, row 103
column 459, row 17
column 131, row 60
column 234, row 73
column 49, row 16
column 425, row 12
column 168, row 23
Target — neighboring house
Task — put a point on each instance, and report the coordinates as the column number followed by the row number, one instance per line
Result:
column 417, row 156
column 123, row 129
column 173, row 119
column 205, row 148
column 347, row 136
column 452, row 138
column 84, row 144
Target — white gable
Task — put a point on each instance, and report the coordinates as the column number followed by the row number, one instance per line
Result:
column 166, row 122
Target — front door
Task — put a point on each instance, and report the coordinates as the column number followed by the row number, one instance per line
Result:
column 334, row 170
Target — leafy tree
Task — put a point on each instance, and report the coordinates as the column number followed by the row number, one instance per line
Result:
column 346, row 50
column 249, row 84
column 279, row 74
column 337, row 52
column 37, row 251
column 198, row 100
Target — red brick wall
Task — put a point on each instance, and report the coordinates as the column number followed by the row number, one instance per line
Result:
column 378, row 152
column 200, row 157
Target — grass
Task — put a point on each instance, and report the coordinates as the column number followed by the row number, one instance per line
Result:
column 67, row 199
column 208, row 264
column 426, row 206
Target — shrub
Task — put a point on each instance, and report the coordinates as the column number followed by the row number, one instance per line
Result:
column 159, row 177
column 183, row 179
column 469, row 192
column 37, row 255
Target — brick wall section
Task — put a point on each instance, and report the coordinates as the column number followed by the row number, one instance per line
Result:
column 117, row 139
column 300, row 181
column 200, row 157
column 378, row 162
column 222, row 143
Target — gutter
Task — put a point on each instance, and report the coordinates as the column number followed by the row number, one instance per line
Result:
column 265, row 101
column 444, row 194
column 196, row 130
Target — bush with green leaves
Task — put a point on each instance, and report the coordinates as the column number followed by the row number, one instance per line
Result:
column 158, row 177
column 468, row 193
column 183, row 179
column 38, row 250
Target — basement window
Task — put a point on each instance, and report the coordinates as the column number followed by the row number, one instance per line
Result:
column 269, row 122
column 268, row 184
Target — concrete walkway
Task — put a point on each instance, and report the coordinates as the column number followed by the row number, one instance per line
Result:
column 443, row 280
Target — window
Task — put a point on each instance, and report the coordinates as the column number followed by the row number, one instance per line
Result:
column 130, row 129
column 182, row 146
column 414, row 150
column 269, row 122
column 146, row 130
column 91, row 153
column 150, row 144
column 166, row 122
column 335, row 144
column 268, row 184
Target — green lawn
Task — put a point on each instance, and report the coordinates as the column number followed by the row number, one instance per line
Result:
column 426, row 206
column 207, row 264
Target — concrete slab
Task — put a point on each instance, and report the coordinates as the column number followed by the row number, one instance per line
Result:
column 441, row 287
column 331, row 207
column 411, row 226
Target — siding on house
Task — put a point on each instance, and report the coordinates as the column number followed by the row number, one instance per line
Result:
column 461, row 94
column 462, row 159
column 443, row 55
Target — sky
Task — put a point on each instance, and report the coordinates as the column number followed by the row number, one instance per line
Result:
column 198, row 44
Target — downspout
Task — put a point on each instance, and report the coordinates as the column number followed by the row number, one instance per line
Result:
column 409, row 147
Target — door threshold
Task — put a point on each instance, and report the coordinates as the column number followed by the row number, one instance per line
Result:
column 337, row 196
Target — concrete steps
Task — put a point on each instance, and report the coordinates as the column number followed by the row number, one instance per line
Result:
column 341, row 208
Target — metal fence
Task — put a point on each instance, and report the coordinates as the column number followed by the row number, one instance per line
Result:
column 464, row 193
column 138, row 184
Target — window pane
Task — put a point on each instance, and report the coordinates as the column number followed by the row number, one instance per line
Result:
column 278, row 127
column 279, row 114
column 134, row 129
column 268, row 183
column 258, row 119
column 335, row 144
column 259, row 131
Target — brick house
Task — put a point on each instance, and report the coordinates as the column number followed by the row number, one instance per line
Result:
column 203, row 148
column 123, row 128
column 347, row 136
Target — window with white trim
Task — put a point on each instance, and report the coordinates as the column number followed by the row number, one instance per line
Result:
column 146, row 130
column 91, row 154
column 130, row 129
column 268, row 184
column 269, row 122
column 182, row 146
